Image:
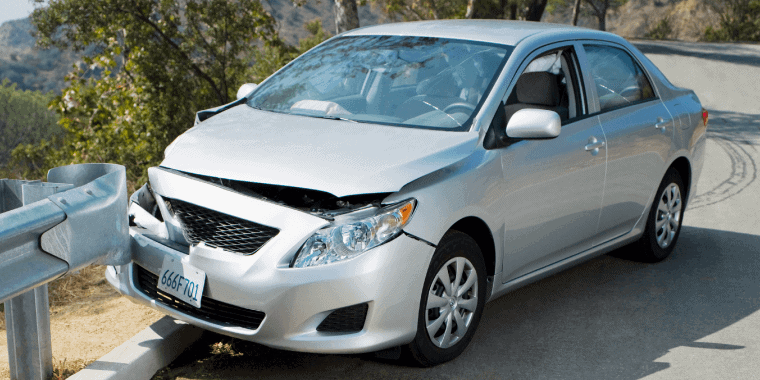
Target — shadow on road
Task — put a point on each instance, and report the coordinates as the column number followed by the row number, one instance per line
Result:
column 736, row 134
column 608, row 318
column 738, row 127
column 731, row 53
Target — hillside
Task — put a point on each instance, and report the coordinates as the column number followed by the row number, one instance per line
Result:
column 36, row 69
column 687, row 19
column 291, row 19
column 30, row 68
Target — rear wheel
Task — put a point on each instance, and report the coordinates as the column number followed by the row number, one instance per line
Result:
column 664, row 220
column 452, row 301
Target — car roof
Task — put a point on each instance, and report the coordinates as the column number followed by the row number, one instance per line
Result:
column 494, row 31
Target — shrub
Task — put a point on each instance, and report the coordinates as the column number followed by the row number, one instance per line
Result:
column 661, row 30
column 739, row 21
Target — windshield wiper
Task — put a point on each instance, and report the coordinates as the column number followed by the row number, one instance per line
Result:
column 333, row 117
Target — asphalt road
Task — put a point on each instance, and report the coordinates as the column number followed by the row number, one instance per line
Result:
column 693, row 316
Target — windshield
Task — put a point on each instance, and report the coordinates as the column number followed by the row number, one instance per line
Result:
column 419, row 82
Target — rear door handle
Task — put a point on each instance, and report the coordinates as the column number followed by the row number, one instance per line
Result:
column 661, row 123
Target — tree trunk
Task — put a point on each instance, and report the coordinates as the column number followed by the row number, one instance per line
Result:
column 513, row 11
column 346, row 15
column 535, row 10
column 600, row 10
column 576, row 11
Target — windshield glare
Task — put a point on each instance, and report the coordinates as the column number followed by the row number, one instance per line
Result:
column 417, row 82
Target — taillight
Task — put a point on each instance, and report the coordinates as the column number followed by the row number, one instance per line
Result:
column 704, row 116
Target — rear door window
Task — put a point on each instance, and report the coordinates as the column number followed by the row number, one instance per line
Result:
column 619, row 80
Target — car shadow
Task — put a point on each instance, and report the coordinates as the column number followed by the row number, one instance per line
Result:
column 607, row 318
column 731, row 53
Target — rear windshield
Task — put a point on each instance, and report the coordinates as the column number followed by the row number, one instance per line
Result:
column 418, row 82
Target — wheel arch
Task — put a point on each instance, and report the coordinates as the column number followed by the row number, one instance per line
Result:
column 683, row 167
column 479, row 231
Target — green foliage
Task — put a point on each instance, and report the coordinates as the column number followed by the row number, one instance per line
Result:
column 739, row 21
column 318, row 35
column 24, row 119
column 661, row 30
column 157, row 63
column 410, row 10
column 271, row 58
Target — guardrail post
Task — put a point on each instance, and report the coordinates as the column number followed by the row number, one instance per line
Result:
column 27, row 316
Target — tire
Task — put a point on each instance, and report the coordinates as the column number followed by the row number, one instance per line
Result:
column 664, row 220
column 449, row 339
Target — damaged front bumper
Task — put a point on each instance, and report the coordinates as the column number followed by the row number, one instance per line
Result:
column 289, row 304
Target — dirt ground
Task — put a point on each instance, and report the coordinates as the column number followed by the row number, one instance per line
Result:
column 88, row 320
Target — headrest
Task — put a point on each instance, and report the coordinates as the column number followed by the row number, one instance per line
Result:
column 538, row 87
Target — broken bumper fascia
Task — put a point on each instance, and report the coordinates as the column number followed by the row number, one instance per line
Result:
column 389, row 278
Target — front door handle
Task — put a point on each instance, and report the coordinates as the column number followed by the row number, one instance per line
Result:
column 594, row 144
column 661, row 123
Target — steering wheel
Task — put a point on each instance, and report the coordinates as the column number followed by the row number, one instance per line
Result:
column 453, row 107
column 602, row 84
column 631, row 91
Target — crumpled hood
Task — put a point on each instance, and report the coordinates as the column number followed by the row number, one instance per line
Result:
column 339, row 157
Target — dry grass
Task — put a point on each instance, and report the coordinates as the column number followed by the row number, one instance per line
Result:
column 73, row 291
column 63, row 369
column 83, row 288
column 70, row 293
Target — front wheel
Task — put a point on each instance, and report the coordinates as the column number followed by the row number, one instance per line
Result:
column 453, row 298
column 664, row 220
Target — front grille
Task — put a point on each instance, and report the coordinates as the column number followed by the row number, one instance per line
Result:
column 345, row 320
column 211, row 310
column 219, row 230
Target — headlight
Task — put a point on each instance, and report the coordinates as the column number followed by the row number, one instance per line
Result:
column 351, row 238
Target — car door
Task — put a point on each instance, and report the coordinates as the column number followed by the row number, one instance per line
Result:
column 553, row 187
column 639, row 131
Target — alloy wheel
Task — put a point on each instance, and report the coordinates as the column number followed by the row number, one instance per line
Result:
column 452, row 302
column 668, row 216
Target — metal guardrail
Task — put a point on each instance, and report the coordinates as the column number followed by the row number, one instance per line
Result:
column 47, row 229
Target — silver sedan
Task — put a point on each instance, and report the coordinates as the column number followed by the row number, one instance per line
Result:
column 379, row 189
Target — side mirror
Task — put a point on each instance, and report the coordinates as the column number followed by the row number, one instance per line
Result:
column 531, row 123
column 246, row 89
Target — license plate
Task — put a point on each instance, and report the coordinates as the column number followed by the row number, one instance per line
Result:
column 182, row 281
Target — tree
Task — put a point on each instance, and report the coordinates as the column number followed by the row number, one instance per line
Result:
column 271, row 58
column 576, row 11
column 157, row 63
column 535, row 10
column 346, row 15
column 24, row 119
column 600, row 8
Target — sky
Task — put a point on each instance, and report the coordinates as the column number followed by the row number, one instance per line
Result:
column 15, row 9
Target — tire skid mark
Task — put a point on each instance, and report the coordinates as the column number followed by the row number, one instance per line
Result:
column 743, row 173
